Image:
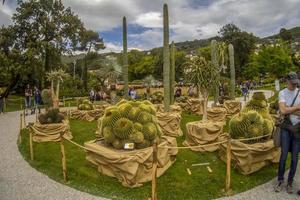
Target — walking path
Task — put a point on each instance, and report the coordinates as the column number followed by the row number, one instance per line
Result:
column 19, row 181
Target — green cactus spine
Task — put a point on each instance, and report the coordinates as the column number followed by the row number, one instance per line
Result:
column 125, row 58
column 123, row 128
column 166, row 60
column 232, row 71
column 172, row 73
column 214, row 59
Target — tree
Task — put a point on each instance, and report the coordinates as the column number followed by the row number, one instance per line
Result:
column 47, row 29
column 285, row 35
column 90, row 40
column 243, row 43
column 204, row 75
column 272, row 59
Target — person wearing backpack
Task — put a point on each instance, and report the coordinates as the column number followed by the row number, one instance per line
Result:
column 289, row 106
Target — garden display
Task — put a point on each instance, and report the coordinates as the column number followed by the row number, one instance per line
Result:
column 51, row 116
column 130, row 124
column 157, row 97
column 216, row 114
column 193, row 105
column 253, row 121
column 85, row 104
column 232, row 107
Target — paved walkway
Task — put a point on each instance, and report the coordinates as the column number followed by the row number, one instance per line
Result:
column 19, row 181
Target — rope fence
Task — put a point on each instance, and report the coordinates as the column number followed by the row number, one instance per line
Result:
column 155, row 147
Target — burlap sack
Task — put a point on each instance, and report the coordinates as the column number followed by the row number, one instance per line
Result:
column 202, row 133
column 193, row 106
column 131, row 168
column 51, row 132
column 232, row 107
column 249, row 158
column 169, row 123
column 87, row 115
column 216, row 114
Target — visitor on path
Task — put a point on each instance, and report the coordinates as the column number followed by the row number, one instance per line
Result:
column 92, row 95
column 132, row 93
column 28, row 96
column 1, row 101
column 178, row 92
column 37, row 99
column 289, row 105
column 244, row 91
column 191, row 91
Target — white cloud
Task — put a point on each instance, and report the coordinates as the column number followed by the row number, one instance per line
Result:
column 189, row 19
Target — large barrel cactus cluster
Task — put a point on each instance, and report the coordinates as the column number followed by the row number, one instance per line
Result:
column 157, row 97
column 130, row 122
column 85, row 104
column 254, row 120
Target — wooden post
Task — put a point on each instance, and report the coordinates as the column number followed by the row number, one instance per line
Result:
column 64, row 101
column 63, row 158
column 21, row 103
column 30, row 144
column 21, row 127
column 36, row 116
column 228, row 165
column 154, row 172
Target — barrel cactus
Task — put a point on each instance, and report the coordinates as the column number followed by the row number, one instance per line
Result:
column 51, row 116
column 157, row 97
column 130, row 122
column 85, row 104
column 249, row 124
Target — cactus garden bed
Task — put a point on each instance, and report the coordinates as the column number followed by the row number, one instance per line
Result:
column 174, row 184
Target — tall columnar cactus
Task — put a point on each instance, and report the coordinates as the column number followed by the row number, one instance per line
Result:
column 172, row 73
column 166, row 60
column 232, row 71
column 214, row 60
column 125, row 59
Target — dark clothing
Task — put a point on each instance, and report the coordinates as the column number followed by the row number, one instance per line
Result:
column 288, row 144
column 37, row 99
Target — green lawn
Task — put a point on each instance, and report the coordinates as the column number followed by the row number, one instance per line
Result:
column 174, row 184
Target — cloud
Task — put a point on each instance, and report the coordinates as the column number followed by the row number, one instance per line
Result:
column 189, row 19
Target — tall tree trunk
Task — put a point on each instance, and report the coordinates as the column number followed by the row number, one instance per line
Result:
column 205, row 104
column 232, row 71
column 214, row 59
column 166, row 60
column 125, row 58
column 85, row 81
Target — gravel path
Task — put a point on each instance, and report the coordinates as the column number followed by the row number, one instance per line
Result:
column 19, row 181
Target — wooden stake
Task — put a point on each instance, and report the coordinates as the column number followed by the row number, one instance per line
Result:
column 24, row 120
column 21, row 127
column 154, row 172
column 63, row 158
column 30, row 144
column 228, row 165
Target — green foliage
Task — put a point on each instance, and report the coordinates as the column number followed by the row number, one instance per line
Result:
column 51, row 116
column 157, row 97
column 243, row 43
column 130, row 122
column 232, row 71
column 272, row 59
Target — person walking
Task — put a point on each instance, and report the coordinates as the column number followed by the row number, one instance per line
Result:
column 28, row 95
column 37, row 99
column 289, row 105
column 92, row 95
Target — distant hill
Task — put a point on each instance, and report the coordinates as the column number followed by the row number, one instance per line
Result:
column 294, row 31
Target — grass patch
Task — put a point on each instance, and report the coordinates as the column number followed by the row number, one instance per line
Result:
column 174, row 184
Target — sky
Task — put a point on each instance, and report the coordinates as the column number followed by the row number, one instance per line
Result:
column 189, row 19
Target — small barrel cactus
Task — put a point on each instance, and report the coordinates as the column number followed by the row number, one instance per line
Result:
column 130, row 122
column 85, row 104
column 249, row 124
column 51, row 116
